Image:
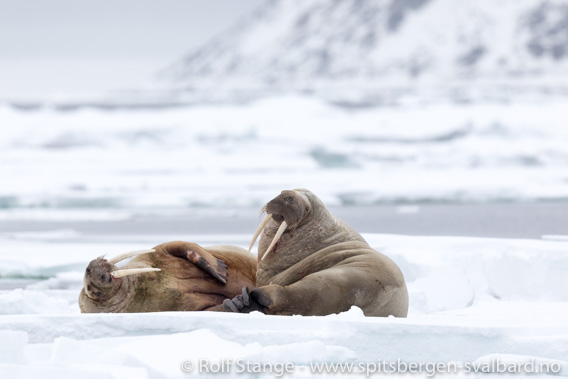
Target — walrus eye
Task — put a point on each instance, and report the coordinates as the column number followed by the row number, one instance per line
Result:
column 88, row 271
column 288, row 199
column 103, row 277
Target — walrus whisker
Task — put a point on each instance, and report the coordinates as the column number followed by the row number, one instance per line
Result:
column 124, row 256
column 279, row 233
column 132, row 271
column 258, row 230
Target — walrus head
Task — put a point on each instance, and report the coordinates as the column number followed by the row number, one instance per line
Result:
column 288, row 209
column 103, row 278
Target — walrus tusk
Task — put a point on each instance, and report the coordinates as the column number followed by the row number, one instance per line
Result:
column 279, row 233
column 132, row 271
column 258, row 230
column 124, row 256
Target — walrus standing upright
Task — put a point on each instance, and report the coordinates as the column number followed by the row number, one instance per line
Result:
column 312, row 263
column 173, row 276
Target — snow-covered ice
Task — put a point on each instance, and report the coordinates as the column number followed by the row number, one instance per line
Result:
column 472, row 300
column 241, row 155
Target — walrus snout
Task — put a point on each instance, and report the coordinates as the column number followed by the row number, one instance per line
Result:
column 287, row 209
column 98, row 281
column 289, row 206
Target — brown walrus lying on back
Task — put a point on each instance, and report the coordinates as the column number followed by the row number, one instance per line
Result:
column 173, row 276
column 311, row 263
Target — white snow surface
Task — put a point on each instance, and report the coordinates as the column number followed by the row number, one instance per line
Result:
column 110, row 162
column 474, row 302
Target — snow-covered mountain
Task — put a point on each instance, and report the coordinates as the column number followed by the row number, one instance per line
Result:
column 366, row 44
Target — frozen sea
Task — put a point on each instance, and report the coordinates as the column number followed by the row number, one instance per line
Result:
column 240, row 155
column 468, row 198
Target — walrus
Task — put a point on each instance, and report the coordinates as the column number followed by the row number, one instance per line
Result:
column 313, row 264
column 173, row 276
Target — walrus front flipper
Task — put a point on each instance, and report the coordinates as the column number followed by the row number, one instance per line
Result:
column 199, row 257
column 242, row 303
column 211, row 265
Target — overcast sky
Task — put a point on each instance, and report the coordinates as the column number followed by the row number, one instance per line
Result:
column 50, row 47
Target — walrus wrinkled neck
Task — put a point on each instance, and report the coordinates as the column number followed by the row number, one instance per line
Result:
column 318, row 214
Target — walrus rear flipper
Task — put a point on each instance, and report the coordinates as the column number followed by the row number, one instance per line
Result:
column 242, row 303
column 199, row 257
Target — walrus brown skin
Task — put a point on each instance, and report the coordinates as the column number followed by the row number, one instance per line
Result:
column 319, row 266
column 191, row 278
